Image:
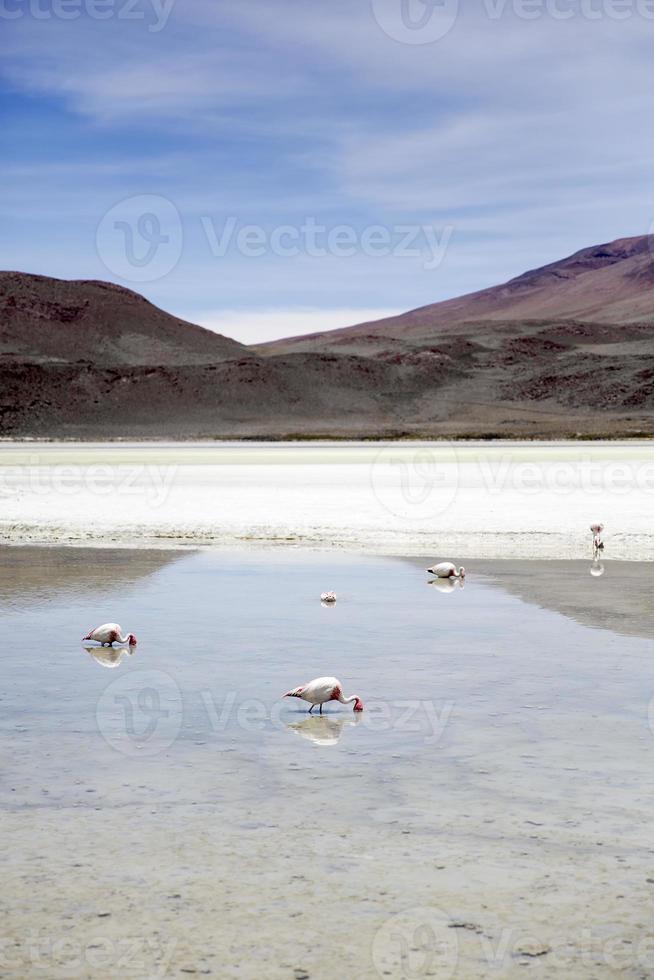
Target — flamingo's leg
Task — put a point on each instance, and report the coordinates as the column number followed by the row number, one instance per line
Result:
column 320, row 709
column 311, row 708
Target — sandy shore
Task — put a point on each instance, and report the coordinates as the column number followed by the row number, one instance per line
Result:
column 495, row 501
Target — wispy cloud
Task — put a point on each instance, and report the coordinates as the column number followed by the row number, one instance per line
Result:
column 528, row 137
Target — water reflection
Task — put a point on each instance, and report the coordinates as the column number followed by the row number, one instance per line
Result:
column 110, row 656
column 33, row 575
column 323, row 730
column 597, row 569
column 447, row 585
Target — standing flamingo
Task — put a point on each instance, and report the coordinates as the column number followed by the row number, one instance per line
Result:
column 322, row 690
column 110, row 633
column 598, row 544
column 447, row 569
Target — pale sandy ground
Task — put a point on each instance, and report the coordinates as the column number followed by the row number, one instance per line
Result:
column 500, row 500
column 518, row 843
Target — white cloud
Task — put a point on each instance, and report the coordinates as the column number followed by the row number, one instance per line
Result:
column 259, row 326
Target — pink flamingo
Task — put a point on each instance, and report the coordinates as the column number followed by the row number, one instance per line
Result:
column 447, row 569
column 321, row 691
column 598, row 544
column 110, row 633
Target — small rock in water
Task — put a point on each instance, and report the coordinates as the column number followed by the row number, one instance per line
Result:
column 533, row 949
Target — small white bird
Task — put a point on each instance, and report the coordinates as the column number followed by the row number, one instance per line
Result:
column 328, row 597
column 110, row 633
column 446, row 569
column 321, row 691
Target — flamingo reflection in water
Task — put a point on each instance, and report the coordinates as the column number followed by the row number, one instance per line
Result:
column 324, row 730
column 447, row 585
column 109, row 657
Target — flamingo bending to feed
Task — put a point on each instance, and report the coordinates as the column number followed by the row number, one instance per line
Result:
column 321, row 691
column 328, row 597
column 447, row 569
column 110, row 633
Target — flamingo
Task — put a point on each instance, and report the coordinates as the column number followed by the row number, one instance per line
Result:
column 598, row 544
column 321, row 690
column 110, row 633
column 328, row 597
column 447, row 569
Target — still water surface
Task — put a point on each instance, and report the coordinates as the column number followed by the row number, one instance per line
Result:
column 496, row 790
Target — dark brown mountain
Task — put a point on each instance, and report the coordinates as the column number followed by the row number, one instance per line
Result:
column 61, row 321
column 567, row 350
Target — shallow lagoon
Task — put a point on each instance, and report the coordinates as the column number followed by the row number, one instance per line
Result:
column 489, row 813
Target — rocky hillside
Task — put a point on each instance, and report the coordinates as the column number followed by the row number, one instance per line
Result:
column 563, row 351
column 48, row 320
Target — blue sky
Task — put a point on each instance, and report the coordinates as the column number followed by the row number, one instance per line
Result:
column 270, row 167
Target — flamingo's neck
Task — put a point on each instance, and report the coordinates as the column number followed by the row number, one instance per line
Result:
column 358, row 706
column 128, row 639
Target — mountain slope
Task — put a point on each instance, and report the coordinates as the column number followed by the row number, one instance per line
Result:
column 606, row 284
column 57, row 320
column 92, row 360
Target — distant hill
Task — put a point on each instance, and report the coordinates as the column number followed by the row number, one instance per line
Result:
column 611, row 284
column 57, row 320
column 562, row 351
